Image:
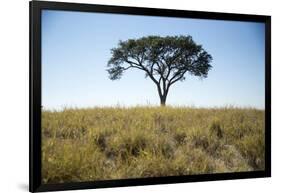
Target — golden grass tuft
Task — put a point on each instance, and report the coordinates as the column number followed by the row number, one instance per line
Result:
column 119, row 143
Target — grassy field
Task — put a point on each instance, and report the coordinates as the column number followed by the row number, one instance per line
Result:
column 117, row 143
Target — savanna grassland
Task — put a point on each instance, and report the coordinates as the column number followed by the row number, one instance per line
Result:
column 117, row 143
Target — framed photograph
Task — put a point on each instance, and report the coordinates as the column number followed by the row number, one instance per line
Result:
column 125, row 96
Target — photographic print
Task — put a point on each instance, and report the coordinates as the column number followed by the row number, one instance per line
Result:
column 134, row 96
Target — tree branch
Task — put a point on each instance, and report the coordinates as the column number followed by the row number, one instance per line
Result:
column 180, row 77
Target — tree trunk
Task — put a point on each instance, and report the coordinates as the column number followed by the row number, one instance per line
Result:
column 163, row 102
column 163, row 95
column 163, row 99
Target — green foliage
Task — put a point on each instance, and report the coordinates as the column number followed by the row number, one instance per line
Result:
column 176, row 53
column 115, row 143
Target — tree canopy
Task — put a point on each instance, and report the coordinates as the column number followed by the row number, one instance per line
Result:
column 165, row 60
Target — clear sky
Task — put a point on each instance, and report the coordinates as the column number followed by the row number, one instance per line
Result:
column 76, row 47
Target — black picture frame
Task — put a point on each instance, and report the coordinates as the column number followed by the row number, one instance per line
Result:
column 35, row 8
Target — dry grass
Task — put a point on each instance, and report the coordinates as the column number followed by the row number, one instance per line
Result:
column 117, row 143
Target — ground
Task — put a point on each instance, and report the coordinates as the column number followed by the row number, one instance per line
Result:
column 118, row 143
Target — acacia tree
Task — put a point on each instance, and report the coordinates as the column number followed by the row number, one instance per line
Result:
column 165, row 60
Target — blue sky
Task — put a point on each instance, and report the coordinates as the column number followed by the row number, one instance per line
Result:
column 76, row 47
